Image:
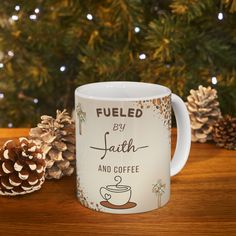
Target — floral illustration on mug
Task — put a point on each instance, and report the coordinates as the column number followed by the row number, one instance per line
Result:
column 82, row 116
column 84, row 199
column 160, row 107
column 159, row 190
column 117, row 196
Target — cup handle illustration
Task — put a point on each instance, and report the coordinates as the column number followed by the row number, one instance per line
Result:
column 183, row 135
column 104, row 193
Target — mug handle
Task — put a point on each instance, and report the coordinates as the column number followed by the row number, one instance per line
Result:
column 183, row 135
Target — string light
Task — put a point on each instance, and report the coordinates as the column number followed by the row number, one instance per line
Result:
column 214, row 80
column 142, row 56
column 136, row 29
column 36, row 10
column 35, row 100
column 89, row 16
column 10, row 125
column 62, row 68
column 10, row 53
column 1, row 65
column 14, row 17
column 1, row 95
column 17, row 7
column 33, row 17
column 220, row 16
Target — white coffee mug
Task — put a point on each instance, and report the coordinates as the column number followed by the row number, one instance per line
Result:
column 123, row 145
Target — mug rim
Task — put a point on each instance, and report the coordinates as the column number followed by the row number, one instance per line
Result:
column 79, row 91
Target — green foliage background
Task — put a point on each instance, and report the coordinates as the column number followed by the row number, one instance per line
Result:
column 184, row 41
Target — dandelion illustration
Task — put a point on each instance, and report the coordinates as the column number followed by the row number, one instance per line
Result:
column 159, row 189
column 82, row 116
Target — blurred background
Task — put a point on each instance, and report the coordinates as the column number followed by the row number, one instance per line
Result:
column 48, row 48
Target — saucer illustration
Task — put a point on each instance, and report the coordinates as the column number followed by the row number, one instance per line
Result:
column 128, row 205
column 117, row 196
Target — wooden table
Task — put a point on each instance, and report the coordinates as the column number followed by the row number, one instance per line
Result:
column 203, row 202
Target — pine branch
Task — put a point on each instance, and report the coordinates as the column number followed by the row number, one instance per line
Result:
column 191, row 9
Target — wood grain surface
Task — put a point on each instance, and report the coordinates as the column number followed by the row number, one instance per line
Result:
column 203, row 202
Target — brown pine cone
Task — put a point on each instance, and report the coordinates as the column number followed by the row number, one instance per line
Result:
column 204, row 111
column 22, row 167
column 56, row 136
column 224, row 132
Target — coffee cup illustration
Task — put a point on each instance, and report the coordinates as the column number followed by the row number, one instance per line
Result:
column 117, row 196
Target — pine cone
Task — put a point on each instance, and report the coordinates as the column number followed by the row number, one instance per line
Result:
column 224, row 132
column 203, row 108
column 22, row 167
column 57, row 140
